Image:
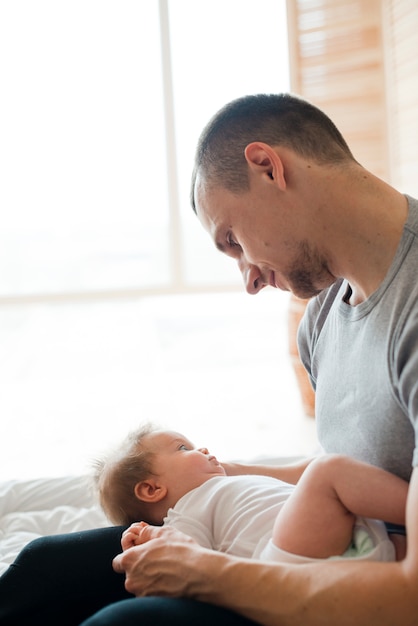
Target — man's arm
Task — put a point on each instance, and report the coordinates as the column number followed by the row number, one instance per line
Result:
column 346, row 593
column 289, row 473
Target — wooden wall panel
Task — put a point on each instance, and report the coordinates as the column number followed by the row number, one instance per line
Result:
column 401, row 19
column 337, row 62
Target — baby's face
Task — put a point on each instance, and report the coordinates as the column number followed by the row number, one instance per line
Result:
column 179, row 464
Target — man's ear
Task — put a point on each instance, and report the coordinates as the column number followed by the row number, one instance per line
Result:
column 263, row 159
column 150, row 491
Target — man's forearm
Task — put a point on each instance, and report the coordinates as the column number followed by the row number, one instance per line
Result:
column 343, row 593
column 288, row 473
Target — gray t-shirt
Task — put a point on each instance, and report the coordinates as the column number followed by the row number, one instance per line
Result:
column 363, row 363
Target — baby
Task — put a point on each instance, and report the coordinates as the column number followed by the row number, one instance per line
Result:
column 329, row 506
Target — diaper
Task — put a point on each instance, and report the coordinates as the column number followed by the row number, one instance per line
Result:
column 370, row 542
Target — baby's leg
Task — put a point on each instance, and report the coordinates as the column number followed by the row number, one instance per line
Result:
column 313, row 522
column 317, row 521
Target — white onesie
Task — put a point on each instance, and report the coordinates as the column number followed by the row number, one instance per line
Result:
column 236, row 515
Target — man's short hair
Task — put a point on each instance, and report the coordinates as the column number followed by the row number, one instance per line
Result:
column 275, row 119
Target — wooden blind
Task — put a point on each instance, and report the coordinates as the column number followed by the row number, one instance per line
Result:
column 401, row 17
column 337, row 62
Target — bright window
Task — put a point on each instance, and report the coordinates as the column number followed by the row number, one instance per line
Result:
column 83, row 194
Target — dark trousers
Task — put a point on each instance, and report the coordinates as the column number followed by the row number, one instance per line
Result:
column 68, row 580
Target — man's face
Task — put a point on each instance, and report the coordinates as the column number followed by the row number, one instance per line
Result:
column 262, row 231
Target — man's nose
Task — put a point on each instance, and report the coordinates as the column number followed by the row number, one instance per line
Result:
column 253, row 279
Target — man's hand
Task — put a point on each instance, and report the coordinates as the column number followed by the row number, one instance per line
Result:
column 154, row 560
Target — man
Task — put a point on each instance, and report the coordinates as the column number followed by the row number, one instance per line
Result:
column 277, row 188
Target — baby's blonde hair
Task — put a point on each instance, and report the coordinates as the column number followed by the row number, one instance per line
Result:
column 116, row 474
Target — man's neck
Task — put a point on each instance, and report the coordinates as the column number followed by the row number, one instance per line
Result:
column 372, row 235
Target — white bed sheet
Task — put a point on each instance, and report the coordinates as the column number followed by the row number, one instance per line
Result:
column 46, row 506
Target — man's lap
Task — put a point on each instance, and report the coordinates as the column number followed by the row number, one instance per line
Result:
column 66, row 579
column 163, row 612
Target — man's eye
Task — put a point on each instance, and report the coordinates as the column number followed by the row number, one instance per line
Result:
column 231, row 241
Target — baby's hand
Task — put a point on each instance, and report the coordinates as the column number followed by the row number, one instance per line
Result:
column 141, row 532
column 131, row 536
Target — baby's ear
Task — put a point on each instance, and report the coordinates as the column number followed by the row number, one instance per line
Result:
column 150, row 491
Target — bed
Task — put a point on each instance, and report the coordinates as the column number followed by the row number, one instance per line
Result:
column 44, row 506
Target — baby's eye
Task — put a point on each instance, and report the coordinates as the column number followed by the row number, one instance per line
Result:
column 183, row 447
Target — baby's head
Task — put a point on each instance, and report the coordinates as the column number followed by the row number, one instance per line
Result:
column 149, row 472
column 116, row 476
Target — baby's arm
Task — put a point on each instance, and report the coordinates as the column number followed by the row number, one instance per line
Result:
column 141, row 532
